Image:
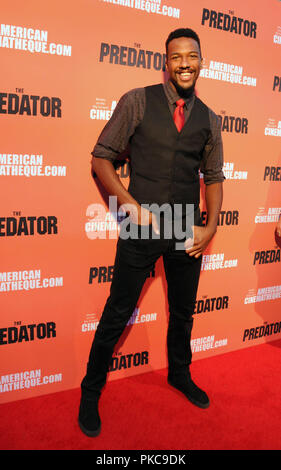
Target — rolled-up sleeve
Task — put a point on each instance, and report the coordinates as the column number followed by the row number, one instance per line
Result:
column 212, row 161
column 116, row 134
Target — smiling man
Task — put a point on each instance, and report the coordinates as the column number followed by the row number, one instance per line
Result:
column 171, row 135
column 183, row 63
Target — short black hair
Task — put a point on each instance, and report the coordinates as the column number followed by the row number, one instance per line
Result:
column 183, row 32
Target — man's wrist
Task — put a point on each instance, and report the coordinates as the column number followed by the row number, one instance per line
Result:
column 212, row 227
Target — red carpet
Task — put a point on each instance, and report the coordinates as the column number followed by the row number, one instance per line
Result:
column 145, row 413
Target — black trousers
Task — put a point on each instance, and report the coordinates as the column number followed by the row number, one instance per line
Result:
column 133, row 263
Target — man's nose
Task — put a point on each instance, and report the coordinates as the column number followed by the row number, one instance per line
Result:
column 185, row 62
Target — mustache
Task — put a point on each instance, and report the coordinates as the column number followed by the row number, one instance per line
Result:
column 185, row 69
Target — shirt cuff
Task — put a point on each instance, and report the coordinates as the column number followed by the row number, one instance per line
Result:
column 214, row 177
column 102, row 152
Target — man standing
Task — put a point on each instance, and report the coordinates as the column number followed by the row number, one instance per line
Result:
column 172, row 134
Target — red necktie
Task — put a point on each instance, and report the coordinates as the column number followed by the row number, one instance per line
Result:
column 179, row 114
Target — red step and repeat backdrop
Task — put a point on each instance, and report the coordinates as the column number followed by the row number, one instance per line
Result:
column 64, row 66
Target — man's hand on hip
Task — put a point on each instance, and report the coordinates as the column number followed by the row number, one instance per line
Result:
column 201, row 238
column 141, row 216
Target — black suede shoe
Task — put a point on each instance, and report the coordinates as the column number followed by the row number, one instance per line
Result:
column 192, row 392
column 89, row 419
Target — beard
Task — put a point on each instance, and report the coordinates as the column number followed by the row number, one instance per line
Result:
column 182, row 92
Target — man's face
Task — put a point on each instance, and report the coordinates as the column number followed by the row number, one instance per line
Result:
column 183, row 62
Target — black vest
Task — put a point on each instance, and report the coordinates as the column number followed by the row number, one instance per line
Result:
column 164, row 162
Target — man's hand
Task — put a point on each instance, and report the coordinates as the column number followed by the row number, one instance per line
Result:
column 201, row 238
column 203, row 235
column 111, row 182
column 142, row 216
